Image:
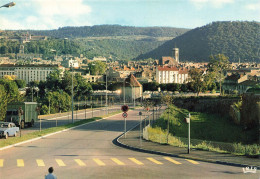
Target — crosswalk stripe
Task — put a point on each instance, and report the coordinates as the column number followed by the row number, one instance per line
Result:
column 136, row 161
column 155, row 161
column 20, row 163
column 79, row 162
column 171, row 160
column 1, row 162
column 118, row 162
column 40, row 163
column 192, row 161
column 60, row 162
column 99, row 162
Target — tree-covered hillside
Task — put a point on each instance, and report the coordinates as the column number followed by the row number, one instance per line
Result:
column 110, row 30
column 119, row 49
column 233, row 39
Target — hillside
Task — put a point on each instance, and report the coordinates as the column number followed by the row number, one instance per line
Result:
column 109, row 30
column 234, row 39
column 115, row 41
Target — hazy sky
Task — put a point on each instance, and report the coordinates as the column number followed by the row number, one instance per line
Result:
column 52, row 14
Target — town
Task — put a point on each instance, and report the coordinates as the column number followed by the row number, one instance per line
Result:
column 152, row 93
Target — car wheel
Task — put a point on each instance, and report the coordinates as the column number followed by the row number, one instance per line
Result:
column 22, row 125
column 32, row 123
column 6, row 136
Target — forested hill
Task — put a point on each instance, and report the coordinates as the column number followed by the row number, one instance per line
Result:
column 110, row 30
column 234, row 39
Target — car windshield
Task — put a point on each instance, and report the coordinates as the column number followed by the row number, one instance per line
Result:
column 4, row 125
column 12, row 112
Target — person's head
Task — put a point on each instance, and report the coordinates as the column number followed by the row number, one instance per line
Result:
column 50, row 169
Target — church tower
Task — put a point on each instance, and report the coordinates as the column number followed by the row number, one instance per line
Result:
column 176, row 54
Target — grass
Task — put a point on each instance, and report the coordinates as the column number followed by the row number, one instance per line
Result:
column 211, row 127
column 208, row 132
column 15, row 140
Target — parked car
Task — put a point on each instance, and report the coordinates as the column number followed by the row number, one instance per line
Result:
column 8, row 129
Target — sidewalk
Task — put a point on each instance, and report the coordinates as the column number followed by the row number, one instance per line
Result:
column 132, row 141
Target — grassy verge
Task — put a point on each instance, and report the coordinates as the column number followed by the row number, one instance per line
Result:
column 208, row 132
column 15, row 140
column 160, row 136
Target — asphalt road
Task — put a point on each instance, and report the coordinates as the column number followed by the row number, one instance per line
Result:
column 88, row 152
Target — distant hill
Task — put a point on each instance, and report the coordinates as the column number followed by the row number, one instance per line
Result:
column 234, row 39
column 110, row 30
column 112, row 41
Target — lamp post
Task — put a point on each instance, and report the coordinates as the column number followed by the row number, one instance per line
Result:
column 72, row 100
column 106, row 93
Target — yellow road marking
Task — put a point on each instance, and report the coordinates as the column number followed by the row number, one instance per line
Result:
column 99, row 162
column 171, row 160
column 40, row 163
column 118, row 162
column 60, row 162
column 20, row 163
column 155, row 161
column 1, row 162
column 192, row 161
column 79, row 162
column 136, row 161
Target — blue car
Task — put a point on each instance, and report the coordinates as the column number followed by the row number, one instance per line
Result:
column 8, row 129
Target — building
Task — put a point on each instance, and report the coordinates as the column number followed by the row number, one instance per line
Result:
column 171, row 75
column 170, row 61
column 133, row 89
column 28, row 73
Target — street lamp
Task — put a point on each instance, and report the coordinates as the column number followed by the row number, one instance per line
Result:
column 10, row 4
column 72, row 97
column 72, row 100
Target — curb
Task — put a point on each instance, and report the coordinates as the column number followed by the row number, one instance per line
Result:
column 118, row 143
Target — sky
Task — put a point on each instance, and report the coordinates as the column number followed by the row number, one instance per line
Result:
column 52, row 14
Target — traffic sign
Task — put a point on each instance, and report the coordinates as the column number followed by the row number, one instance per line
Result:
column 124, row 115
column 124, row 108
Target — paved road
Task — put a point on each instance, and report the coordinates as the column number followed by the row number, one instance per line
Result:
column 88, row 152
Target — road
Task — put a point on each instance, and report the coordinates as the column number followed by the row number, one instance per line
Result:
column 88, row 152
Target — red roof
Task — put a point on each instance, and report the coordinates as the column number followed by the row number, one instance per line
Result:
column 166, row 68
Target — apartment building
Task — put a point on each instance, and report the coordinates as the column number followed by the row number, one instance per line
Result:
column 28, row 72
column 168, row 74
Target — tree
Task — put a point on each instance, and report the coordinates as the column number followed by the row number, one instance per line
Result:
column 218, row 65
column 97, row 68
column 53, row 81
column 20, row 83
column 3, row 104
column 152, row 86
column 83, row 88
column 197, row 80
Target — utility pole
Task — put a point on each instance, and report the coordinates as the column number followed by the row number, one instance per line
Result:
column 188, row 122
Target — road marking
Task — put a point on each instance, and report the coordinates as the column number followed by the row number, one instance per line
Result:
column 60, row 162
column 20, row 163
column 192, row 161
column 79, row 162
column 136, row 161
column 40, row 163
column 118, row 162
column 1, row 162
column 99, row 162
column 155, row 161
column 171, row 160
